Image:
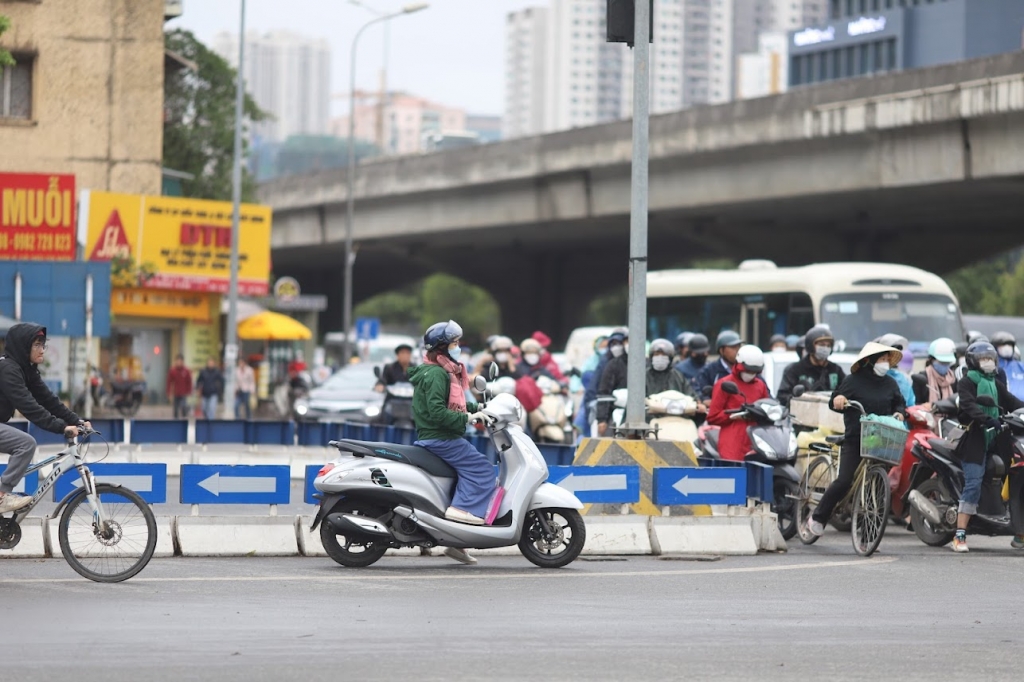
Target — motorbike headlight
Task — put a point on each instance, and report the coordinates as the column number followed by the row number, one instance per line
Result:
column 301, row 407
column 371, row 411
column 792, row 444
column 763, row 445
column 773, row 413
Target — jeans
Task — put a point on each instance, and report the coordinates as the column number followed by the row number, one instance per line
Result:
column 476, row 482
column 974, row 475
column 22, row 448
column 242, row 405
column 210, row 406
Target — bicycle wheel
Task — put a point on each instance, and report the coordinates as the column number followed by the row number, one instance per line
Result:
column 870, row 510
column 818, row 476
column 120, row 550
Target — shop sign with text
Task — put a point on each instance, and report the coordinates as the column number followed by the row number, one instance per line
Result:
column 178, row 244
column 37, row 216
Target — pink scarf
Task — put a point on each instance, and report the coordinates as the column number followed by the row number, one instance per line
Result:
column 459, row 382
column 939, row 387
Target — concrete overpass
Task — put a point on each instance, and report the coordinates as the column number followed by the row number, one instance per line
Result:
column 923, row 167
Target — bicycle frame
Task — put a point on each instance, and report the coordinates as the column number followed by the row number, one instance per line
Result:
column 63, row 462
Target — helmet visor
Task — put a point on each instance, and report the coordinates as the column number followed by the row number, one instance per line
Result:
column 452, row 331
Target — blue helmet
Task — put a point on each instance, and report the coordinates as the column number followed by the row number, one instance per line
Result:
column 441, row 335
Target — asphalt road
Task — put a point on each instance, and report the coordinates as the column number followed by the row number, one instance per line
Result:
column 910, row 612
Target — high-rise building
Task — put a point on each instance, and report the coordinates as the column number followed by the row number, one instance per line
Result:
column 525, row 67
column 289, row 76
column 408, row 122
column 765, row 72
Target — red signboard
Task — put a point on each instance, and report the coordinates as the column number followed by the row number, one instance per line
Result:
column 37, row 216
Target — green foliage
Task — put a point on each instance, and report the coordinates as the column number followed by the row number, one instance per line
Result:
column 990, row 287
column 438, row 297
column 199, row 120
column 5, row 57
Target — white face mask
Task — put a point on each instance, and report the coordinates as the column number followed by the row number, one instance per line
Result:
column 988, row 366
column 501, row 357
column 881, row 368
column 531, row 358
column 1006, row 352
column 615, row 350
column 747, row 376
column 659, row 363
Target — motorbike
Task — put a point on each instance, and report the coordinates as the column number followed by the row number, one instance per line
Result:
column 552, row 421
column 123, row 395
column 376, row 496
column 397, row 408
column 671, row 414
column 937, row 482
column 920, row 421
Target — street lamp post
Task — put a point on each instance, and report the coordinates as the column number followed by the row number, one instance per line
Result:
column 350, row 208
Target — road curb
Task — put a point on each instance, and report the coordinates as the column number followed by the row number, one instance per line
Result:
column 727, row 535
column 237, row 536
column 628, row 534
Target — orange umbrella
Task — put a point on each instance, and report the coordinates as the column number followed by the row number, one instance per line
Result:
column 270, row 326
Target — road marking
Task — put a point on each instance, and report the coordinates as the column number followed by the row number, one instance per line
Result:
column 468, row 574
column 218, row 484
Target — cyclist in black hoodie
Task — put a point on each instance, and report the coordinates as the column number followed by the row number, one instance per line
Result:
column 22, row 389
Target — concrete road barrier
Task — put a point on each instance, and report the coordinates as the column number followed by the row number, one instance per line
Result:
column 617, row 535
column 165, row 537
column 237, row 536
column 730, row 535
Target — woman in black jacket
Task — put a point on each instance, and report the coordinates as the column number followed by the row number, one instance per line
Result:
column 879, row 393
column 981, row 437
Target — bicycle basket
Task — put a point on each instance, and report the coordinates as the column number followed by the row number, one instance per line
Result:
column 882, row 442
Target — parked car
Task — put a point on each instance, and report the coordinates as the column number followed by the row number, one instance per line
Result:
column 348, row 395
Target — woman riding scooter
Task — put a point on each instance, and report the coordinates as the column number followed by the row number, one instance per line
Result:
column 734, row 442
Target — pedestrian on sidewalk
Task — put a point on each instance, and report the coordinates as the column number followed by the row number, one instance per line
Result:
column 245, row 382
column 210, row 386
column 179, row 387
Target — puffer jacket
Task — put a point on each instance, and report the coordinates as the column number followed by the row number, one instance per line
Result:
column 22, row 387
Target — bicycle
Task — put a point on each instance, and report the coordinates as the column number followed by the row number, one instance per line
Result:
column 115, row 526
column 881, row 449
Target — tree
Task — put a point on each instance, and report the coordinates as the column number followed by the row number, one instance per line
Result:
column 199, row 120
column 5, row 57
column 991, row 286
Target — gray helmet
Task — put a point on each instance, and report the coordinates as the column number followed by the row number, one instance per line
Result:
column 699, row 344
column 728, row 338
column 683, row 340
column 815, row 334
column 894, row 340
column 1002, row 339
column 663, row 345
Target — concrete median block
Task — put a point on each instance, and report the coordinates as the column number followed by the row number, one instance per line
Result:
column 617, row 535
column 309, row 542
column 236, row 535
column 172, row 458
column 33, row 541
column 731, row 535
column 164, row 536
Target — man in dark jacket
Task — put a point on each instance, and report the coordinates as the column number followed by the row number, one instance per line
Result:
column 814, row 371
column 660, row 375
column 612, row 378
column 210, row 385
column 396, row 372
column 22, row 389
column 727, row 344
column 697, row 356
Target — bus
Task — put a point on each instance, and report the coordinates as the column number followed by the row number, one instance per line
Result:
column 858, row 301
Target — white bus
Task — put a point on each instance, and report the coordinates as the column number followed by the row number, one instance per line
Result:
column 858, row 301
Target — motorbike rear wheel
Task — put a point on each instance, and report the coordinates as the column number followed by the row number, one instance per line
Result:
column 354, row 552
column 933, row 490
column 562, row 546
column 786, row 494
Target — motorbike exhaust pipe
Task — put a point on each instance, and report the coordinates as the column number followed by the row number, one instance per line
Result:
column 350, row 524
column 926, row 507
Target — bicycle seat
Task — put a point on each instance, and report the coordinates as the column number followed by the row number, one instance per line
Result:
column 942, row 447
column 406, row 454
column 835, row 440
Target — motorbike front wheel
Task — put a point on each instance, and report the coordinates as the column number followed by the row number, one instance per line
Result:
column 354, row 552
column 559, row 544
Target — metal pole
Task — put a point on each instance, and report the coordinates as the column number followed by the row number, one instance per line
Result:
column 231, row 343
column 88, row 345
column 637, row 366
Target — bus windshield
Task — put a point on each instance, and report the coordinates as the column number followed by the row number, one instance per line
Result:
column 921, row 318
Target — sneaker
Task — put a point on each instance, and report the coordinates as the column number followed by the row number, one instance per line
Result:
column 960, row 543
column 1017, row 542
column 815, row 527
column 460, row 555
column 460, row 516
column 10, row 502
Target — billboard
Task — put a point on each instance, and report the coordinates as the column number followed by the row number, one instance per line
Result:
column 37, row 216
column 178, row 244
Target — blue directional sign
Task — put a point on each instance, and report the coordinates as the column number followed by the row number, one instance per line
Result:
column 367, row 328
column 308, row 491
column 611, row 485
column 700, row 486
column 148, row 480
column 226, row 484
column 28, row 485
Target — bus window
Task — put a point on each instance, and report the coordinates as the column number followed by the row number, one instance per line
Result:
column 755, row 317
column 921, row 318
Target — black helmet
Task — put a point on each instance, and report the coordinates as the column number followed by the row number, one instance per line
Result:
column 441, row 335
column 727, row 338
column 815, row 334
column 961, row 349
column 801, row 346
column 1003, row 339
column 683, row 340
column 699, row 344
column 978, row 351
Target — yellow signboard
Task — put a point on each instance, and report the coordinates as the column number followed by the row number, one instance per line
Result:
column 176, row 305
column 180, row 244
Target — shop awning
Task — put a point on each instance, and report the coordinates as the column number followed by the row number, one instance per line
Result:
column 270, row 326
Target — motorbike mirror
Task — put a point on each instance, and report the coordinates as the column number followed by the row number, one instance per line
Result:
column 492, row 371
column 480, row 384
column 986, row 401
column 730, row 388
column 376, row 371
column 799, row 391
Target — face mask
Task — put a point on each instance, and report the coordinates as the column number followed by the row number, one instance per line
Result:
column 615, row 350
column 1006, row 352
column 881, row 368
column 699, row 358
column 747, row 376
column 659, row 363
column 821, row 353
column 988, row 366
column 455, row 353
column 941, row 367
column 779, row 349
column 531, row 358
column 501, row 357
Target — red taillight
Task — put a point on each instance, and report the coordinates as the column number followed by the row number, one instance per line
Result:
column 324, row 470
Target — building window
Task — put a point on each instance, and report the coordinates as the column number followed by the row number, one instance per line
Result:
column 16, row 89
column 836, row 66
column 891, row 49
column 823, row 65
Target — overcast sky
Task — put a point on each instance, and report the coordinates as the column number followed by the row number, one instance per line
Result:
column 452, row 53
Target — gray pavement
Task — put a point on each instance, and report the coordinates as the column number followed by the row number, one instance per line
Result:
column 910, row 612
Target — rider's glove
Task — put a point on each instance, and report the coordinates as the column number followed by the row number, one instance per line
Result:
column 992, row 423
column 481, row 418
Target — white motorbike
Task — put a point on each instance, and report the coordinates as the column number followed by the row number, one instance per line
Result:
column 671, row 413
column 551, row 422
column 376, row 496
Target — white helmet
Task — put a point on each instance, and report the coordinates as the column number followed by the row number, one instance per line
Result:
column 751, row 358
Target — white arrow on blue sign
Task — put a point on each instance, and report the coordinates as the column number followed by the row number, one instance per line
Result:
column 28, row 485
column 148, row 480
column 685, row 485
column 600, row 484
column 226, row 484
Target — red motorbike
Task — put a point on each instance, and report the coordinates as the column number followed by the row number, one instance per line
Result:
column 923, row 424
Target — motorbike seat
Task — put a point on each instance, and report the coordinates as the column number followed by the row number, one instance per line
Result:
column 407, row 454
column 835, row 440
column 943, row 448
